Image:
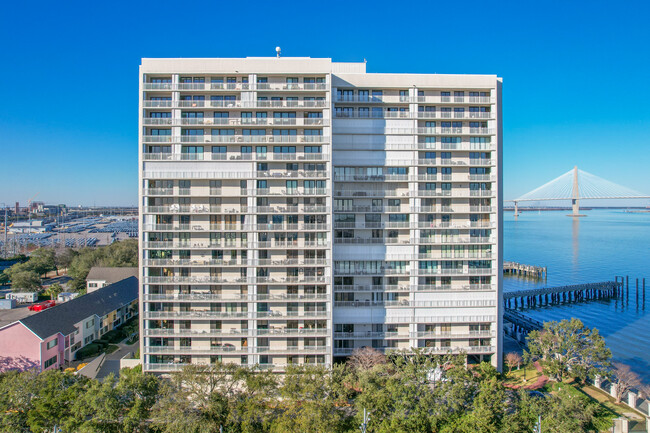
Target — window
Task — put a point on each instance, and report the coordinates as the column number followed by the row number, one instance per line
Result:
column 50, row 362
column 312, row 149
column 254, row 132
column 90, row 323
column 284, row 132
column 191, row 132
column 284, row 149
column 223, row 132
column 51, row 344
column 219, row 149
column 284, row 115
column 397, row 170
column 192, row 152
column 161, row 132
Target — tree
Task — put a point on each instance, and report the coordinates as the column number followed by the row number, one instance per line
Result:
column 624, row 379
column 17, row 391
column 567, row 411
column 366, row 358
column 513, row 359
column 54, row 290
column 197, row 398
column 117, row 405
column 53, row 400
column 569, row 347
column 308, row 402
column 42, row 261
column 123, row 253
column 64, row 257
column 25, row 280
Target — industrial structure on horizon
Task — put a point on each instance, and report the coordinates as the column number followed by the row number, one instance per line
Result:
column 293, row 210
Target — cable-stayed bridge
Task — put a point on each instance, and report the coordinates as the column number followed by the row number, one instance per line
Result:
column 575, row 185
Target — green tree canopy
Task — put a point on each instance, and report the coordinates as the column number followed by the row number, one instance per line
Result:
column 569, row 348
column 123, row 253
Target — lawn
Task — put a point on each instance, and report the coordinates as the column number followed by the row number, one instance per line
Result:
column 606, row 407
column 609, row 402
column 516, row 377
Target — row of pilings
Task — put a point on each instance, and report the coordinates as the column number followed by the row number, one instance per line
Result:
column 561, row 297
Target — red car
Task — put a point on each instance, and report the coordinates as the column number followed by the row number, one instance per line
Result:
column 42, row 306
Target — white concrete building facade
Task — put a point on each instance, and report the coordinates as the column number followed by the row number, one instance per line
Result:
column 294, row 209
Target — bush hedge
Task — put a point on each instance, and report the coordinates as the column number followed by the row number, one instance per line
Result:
column 89, row 350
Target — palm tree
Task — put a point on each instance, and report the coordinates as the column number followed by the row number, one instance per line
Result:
column 54, row 290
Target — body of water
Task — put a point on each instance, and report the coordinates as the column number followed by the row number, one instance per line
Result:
column 595, row 248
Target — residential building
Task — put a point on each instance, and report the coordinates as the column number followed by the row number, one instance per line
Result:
column 51, row 338
column 295, row 209
column 100, row 276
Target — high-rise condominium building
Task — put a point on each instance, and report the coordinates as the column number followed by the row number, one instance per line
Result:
column 294, row 209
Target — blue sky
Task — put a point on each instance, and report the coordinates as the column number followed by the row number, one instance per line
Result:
column 575, row 73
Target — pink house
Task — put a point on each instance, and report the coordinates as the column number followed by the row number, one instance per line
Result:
column 48, row 339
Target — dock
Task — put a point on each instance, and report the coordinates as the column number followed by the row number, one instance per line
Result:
column 556, row 295
column 520, row 269
column 521, row 322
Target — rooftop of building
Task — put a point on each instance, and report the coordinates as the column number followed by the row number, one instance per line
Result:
column 111, row 274
column 63, row 317
column 346, row 73
column 270, row 65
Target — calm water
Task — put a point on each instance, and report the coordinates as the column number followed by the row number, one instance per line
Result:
column 591, row 249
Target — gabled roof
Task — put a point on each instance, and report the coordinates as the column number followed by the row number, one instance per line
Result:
column 111, row 275
column 63, row 317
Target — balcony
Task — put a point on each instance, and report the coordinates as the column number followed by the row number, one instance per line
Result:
column 207, row 86
column 231, row 349
column 273, row 331
column 205, row 103
column 252, row 315
column 368, row 335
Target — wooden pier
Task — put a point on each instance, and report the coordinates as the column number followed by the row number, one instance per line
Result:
column 521, row 322
column 556, row 295
column 518, row 325
column 520, row 269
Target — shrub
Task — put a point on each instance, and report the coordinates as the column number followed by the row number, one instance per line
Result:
column 89, row 350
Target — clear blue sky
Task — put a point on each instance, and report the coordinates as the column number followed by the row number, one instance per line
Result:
column 576, row 78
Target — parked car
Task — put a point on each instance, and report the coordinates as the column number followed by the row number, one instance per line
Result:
column 42, row 306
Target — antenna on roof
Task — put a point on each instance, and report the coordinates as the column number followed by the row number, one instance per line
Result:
column 277, row 50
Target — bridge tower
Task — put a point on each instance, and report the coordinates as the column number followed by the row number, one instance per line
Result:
column 575, row 200
column 576, row 185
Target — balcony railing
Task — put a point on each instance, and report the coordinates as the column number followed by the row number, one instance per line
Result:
column 236, row 86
